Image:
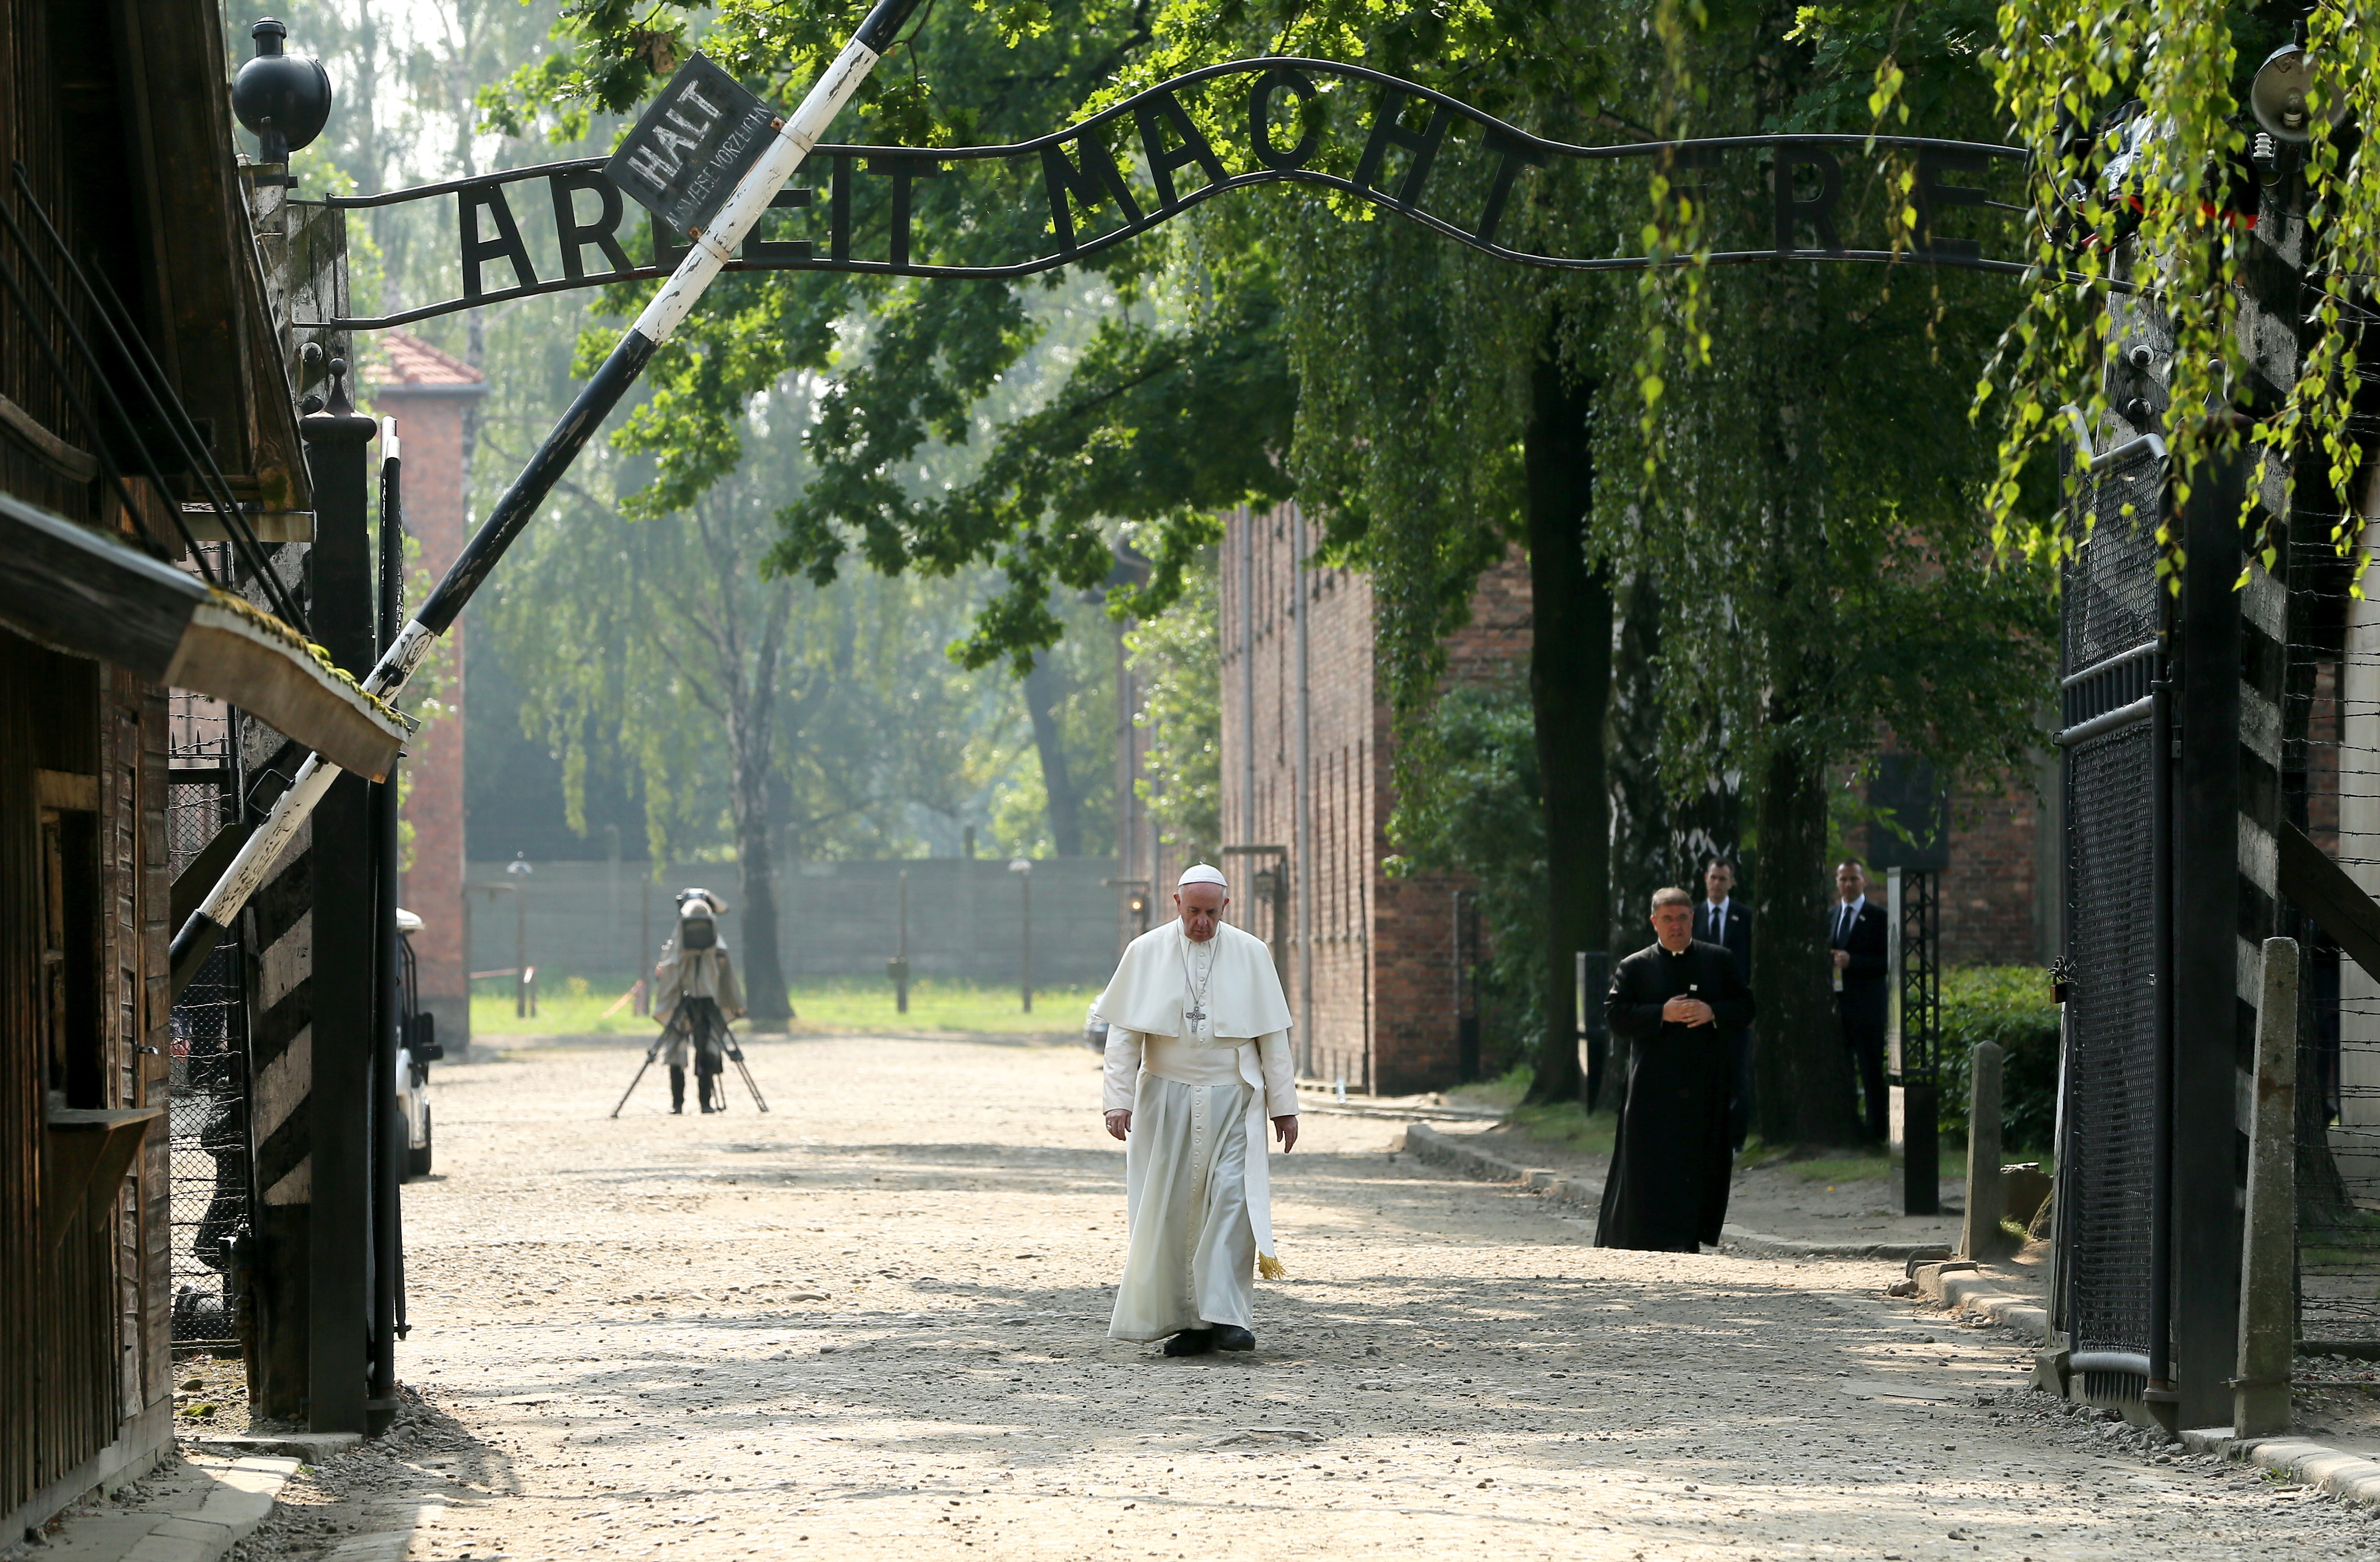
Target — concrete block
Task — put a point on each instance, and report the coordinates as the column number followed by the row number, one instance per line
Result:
column 2025, row 1319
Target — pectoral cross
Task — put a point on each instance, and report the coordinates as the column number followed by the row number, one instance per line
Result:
column 1196, row 1017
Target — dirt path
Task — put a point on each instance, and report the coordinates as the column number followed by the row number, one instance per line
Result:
column 872, row 1324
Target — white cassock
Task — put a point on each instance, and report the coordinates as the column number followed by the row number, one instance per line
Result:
column 1199, row 1051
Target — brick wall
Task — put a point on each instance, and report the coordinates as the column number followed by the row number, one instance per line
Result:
column 430, row 395
column 2000, row 893
column 1381, row 950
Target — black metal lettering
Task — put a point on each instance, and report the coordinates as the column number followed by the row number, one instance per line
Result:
column 1819, row 210
column 1933, row 194
column 506, row 246
column 1388, row 132
column 1097, row 179
column 759, row 251
column 838, row 210
column 1155, row 115
column 901, row 170
column 668, row 248
column 1511, row 156
column 574, row 235
column 1260, row 94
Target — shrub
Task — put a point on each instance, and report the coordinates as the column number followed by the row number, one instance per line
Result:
column 2011, row 1006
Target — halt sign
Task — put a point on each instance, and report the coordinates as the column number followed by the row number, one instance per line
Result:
column 692, row 145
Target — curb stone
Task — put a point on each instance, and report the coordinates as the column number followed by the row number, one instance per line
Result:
column 231, row 1497
column 1426, row 1143
column 1737, row 1238
column 1959, row 1288
column 306, row 1447
column 2344, row 1476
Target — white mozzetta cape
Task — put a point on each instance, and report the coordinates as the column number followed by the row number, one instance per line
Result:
column 1248, row 1015
column 1146, row 993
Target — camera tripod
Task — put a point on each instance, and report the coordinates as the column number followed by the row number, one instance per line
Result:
column 684, row 1025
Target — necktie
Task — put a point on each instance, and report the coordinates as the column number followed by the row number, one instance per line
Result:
column 1843, row 924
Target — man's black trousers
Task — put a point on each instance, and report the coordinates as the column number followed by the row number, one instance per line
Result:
column 1864, row 1039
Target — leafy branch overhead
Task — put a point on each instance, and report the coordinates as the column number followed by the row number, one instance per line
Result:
column 1170, row 414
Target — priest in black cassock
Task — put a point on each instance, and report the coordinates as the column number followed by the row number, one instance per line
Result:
column 1678, row 1001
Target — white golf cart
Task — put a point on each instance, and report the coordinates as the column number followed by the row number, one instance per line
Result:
column 416, row 1049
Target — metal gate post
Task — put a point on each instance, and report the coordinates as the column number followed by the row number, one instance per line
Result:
column 2205, row 1214
column 339, row 1217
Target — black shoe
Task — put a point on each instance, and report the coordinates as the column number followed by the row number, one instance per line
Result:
column 677, row 1108
column 1230, row 1336
column 1191, row 1342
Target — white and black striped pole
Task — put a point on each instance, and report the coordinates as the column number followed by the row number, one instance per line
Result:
column 711, row 247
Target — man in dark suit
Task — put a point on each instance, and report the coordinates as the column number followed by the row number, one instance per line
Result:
column 1675, row 1001
column 1857, row 944
column 1721, row 920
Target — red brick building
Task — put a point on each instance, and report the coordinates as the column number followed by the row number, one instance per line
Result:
column 1370, row 962
column 430, row 395
column 2000, row 895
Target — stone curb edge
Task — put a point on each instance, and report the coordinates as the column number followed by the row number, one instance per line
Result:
column 245, row 1490
column 1426, row 1143
column 2344, row 1476
column 1959, row 1288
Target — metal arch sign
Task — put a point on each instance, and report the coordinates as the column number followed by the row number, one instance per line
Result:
column 1405, row 148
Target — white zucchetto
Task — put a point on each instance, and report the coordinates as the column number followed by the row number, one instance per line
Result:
column 1201, row 872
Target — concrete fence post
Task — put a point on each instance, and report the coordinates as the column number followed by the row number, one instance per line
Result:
column 1982, row 1237
column 2268, row 1303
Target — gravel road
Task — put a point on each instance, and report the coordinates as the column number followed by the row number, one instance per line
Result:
column 872, row 1324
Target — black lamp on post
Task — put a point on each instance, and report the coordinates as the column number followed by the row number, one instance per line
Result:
column 282, row 99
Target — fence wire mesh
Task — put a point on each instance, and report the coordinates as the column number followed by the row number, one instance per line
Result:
column 2112, row 1062
column 2112, row 613
column 2111, row 587
column 207, row 1153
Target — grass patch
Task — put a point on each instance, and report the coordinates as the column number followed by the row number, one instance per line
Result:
column 576, row 1007
column 1841, row 1168
column 1500, row 1094
column 1569, row 1126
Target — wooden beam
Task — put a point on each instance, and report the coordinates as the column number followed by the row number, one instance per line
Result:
column 2326, row 892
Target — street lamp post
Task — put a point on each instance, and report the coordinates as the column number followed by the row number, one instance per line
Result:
column 898, row 967
column 524, row 999
column 1022, row 869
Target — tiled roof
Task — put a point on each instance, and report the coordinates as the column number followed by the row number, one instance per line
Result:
column 411, row 362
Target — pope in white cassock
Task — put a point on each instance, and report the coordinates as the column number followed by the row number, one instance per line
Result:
column 1198, row 1058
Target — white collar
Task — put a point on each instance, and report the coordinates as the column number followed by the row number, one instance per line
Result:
column 1718, row 907
column 1855, row 906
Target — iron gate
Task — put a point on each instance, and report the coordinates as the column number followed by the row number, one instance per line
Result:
column 2113, row 610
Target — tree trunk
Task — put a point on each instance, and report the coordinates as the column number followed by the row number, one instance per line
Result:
column 1802, row 1078
column 752, row 737
column 1570, row 689
column 1043, row 691
column 1641, row 831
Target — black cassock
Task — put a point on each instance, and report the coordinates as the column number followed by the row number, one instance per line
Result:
column 1667, row 1188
